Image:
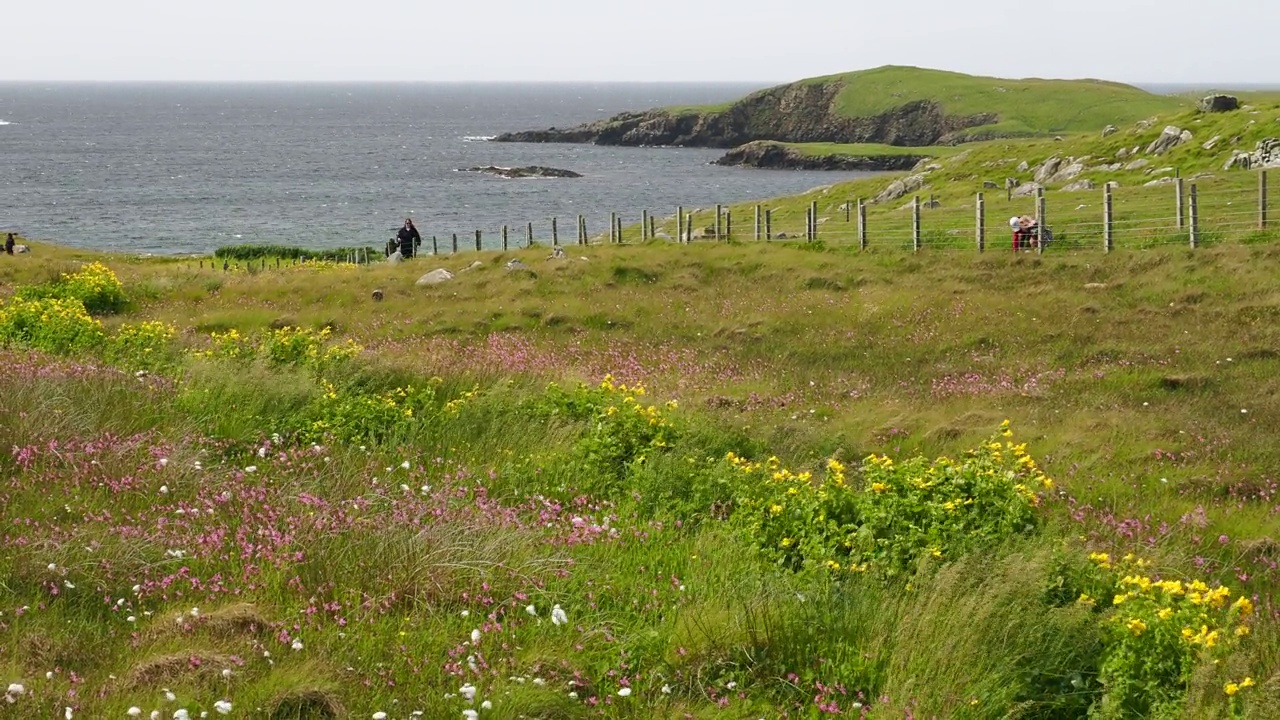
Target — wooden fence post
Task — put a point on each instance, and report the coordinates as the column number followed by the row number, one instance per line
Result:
column 504, row 238
column 455, row 243
column 613, row 227
column 768, row 224
column 582, row 230
column 1180, row 202
column 1041, row 221
column 1262, row 200
column 1195, row 217
column 813, row 215
column 758, row 228
column 688, row 226
column 435, row 246
column 1108, row 227
column 618, row 235
column 982, row 223
column 848, row 210
column 728, row 224
column 653, row 227
column 644, row 225
column 915, row 223
column 477, row 241
column 528, row 234
column 862, row 224
column 555, row 232
column 719, row 220
column 680, row 224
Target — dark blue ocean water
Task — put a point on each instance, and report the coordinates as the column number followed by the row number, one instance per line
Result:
column 167, row 168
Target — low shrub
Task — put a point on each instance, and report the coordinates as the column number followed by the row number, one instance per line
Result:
column 55, row 325
column 1157, row 632
column 900, row 514
column 95, row 286
column 145, row 346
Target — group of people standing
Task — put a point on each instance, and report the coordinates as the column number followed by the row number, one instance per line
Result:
column 406, row 242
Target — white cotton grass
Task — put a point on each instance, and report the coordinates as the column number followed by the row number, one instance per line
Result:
column 379, row 715
column 558, row 616
column 223, row 707
column 486, row 705
column 470, row 714
column 169, row 696
column 475, row 636
column 134, row 711
column 468, row 691
column 533, row 611
column 181, row 714
column 296, row 644
column 624, row 692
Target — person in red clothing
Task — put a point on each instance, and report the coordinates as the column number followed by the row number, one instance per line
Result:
column 1025, row 233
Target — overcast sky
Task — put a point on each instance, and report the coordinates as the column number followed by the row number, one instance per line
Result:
column 658, row 40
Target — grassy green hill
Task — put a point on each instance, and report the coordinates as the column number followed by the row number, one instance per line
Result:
column 1025, row 107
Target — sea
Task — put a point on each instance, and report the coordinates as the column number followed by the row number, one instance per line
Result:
column 186, row 168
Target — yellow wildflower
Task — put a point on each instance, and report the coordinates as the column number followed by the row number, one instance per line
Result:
column 1136, row 626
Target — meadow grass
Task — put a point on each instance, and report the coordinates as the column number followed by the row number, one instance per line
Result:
column 1143, row 381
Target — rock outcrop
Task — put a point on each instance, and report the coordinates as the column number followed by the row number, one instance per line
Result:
column 517, row 173
column 796, row 113
column 780, row 157
column 1219, row 103
column 435, row 277
column 898, row 188
column 1265, row 155
column 1169, row 139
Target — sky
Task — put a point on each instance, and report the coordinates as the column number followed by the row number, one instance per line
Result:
column 1173, row 41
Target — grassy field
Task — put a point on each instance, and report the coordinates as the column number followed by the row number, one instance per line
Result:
column 300, row 532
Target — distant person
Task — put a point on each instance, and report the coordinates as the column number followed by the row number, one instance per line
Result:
column 409, row 239
column 8, row 244
column 1023, row 232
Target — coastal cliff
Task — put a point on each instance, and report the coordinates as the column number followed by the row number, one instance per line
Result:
column 796, row 113
column 773, row 156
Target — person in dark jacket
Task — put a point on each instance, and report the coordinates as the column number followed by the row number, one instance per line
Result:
column 8, row 244
column 409, row 239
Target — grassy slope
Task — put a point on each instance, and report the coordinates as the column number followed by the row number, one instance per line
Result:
column 1026, row 107
column 1130, row 392
column 1144, row 215
column 1034, row 107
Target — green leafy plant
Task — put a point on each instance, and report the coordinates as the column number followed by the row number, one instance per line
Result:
column 54, row 325
column 900, row 514
column 95, row 286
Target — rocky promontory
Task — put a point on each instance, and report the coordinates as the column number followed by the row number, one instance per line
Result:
column 519, row 173
column 797, row 113
column 773, row 156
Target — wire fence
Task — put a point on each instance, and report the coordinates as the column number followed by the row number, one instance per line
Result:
column 1171, row 211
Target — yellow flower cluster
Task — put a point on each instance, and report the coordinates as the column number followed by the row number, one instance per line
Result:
column 1232, row 688
column 1203, row 611
column 453, row 407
